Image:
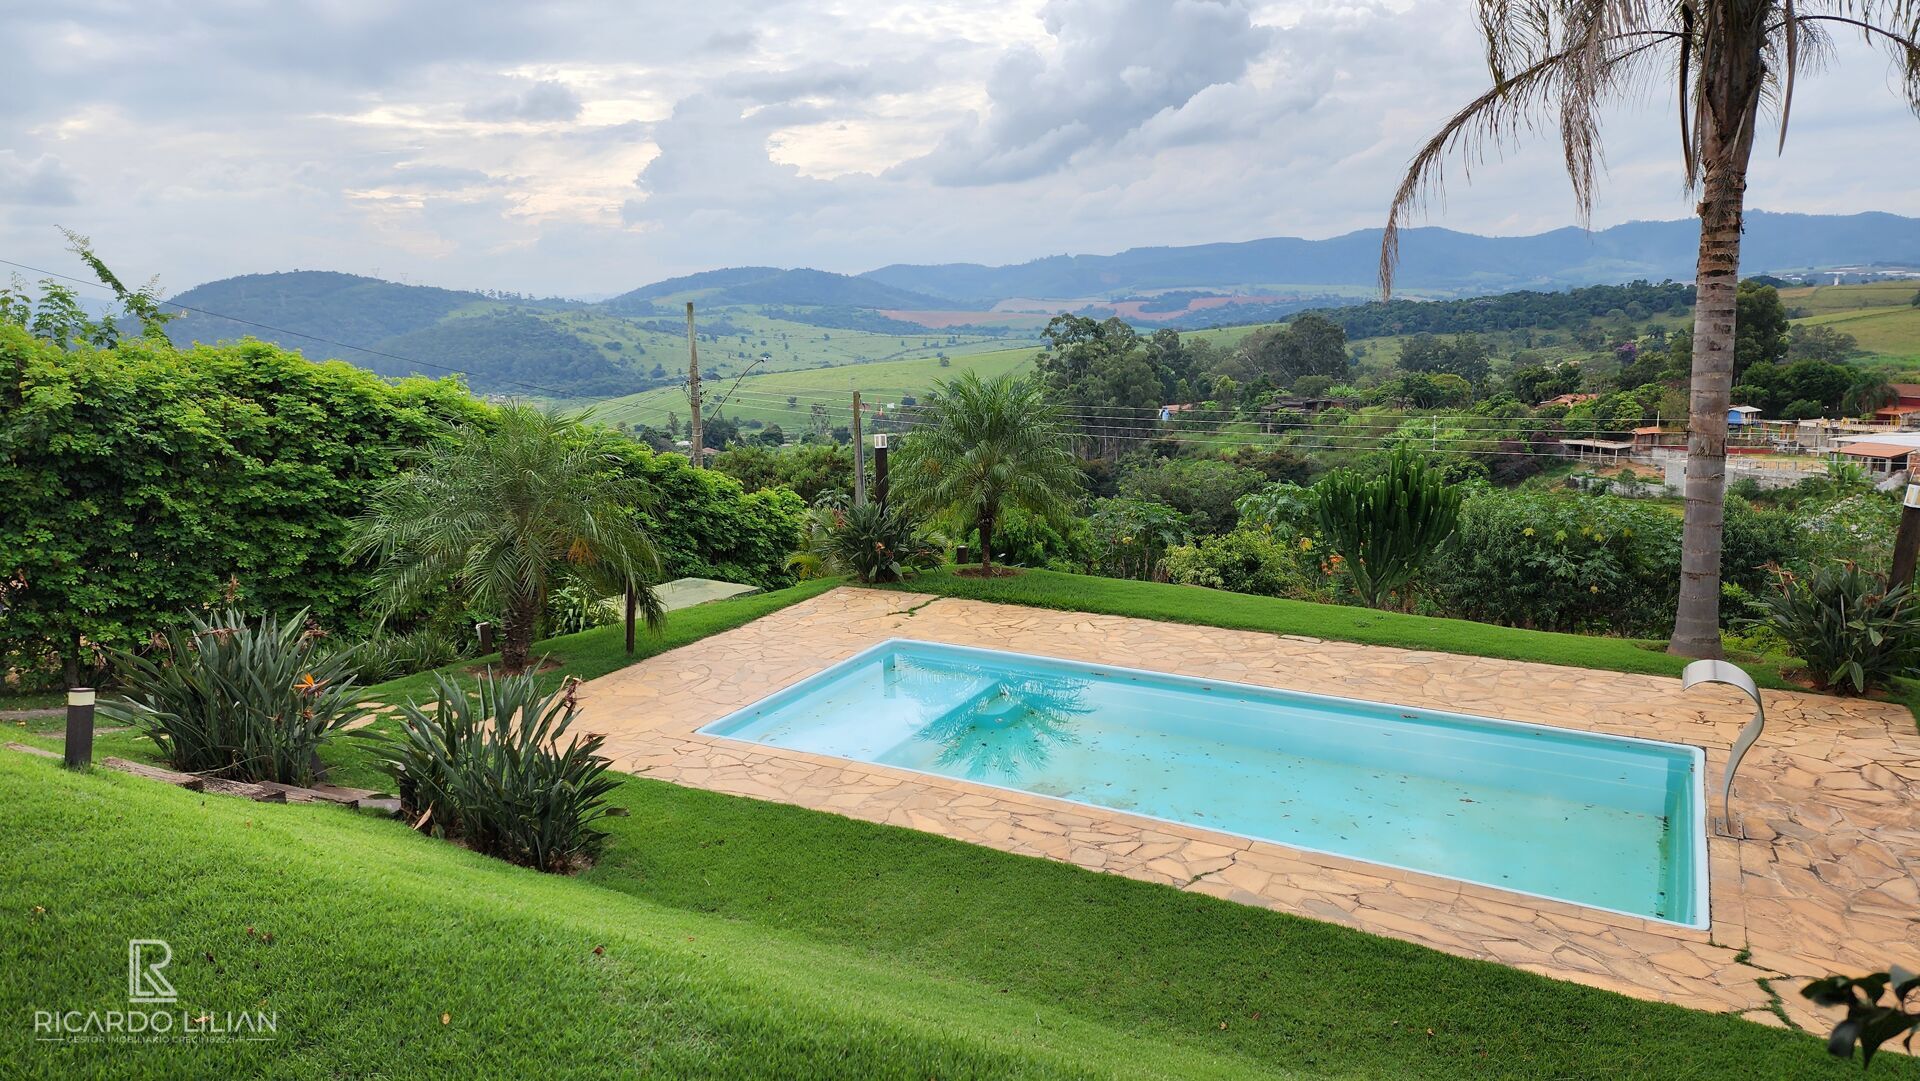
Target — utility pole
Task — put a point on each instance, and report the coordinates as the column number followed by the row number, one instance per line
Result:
column 859, row 458
column 1906, row 542
column 693, row 390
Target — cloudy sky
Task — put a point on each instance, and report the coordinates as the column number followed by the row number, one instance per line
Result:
column 584, row 148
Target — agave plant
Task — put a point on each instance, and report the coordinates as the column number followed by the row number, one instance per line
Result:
column 1847, row 625
column 248, row 700
column 497, row 770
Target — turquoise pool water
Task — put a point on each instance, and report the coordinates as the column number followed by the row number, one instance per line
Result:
column 1605, row 821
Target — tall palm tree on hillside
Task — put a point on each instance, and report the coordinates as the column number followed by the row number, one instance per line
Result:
column 501, row 511
column 1555, row 63
column 985, row 446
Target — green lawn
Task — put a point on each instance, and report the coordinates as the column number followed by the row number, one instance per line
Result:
column 1214, row 608
column 745, row 939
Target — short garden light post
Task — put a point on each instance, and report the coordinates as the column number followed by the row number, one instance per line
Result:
column 484, row 631
column 79, row 750
column 880, row 469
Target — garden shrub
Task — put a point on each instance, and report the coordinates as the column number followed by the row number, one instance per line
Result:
column 1858, row 527
column 1564, row 563
column 141, row 482
column 1130, row 538
column 1024, row 539
column 1203, row 489
column 1853, row 632
column 386, row 656
column 498, row 770
column 1283, row 509
column 229, row 697
column 705, row 525
column 1243, row 561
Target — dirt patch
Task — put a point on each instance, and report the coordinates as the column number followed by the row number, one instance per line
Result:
column 996, row 572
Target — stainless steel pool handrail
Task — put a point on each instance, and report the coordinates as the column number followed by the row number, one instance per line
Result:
column 1733, row 676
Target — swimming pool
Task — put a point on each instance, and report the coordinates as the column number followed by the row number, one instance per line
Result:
column 1609, row 822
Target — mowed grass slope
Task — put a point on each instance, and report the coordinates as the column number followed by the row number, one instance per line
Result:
column 394, row 956
column 725, row 937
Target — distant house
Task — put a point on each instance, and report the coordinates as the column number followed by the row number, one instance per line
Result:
column 1606, row 450
column 1740, row 416
column 1904, row 407
column 1653, row 435
column 1568, row 400
column 1879, row 459
column 1308, row 407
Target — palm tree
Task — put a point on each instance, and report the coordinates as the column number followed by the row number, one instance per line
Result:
column 502, row 510
column 1557, row 62
column 1870, row 391
column 984, row 447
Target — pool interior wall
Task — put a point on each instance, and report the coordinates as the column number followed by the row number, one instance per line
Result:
column 1604, row 821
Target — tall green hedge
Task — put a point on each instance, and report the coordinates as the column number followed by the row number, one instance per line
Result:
column 140, row 481
column 707, row 526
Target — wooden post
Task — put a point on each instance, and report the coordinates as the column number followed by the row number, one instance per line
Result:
column 859, row 458
column 79, row 749
column 633, row 604
column 693, row 391
column 1906, row 542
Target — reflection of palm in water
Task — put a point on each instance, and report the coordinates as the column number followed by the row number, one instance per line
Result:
column 1012, row 728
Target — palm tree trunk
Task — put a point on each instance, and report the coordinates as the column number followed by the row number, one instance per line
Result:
column 516, row 635
column 986, row 546
column 1696, row 625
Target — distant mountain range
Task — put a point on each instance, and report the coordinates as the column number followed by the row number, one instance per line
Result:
column 790, row 318
column 1432, row 259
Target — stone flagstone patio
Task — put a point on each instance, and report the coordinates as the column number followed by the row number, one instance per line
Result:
column 1828, row 879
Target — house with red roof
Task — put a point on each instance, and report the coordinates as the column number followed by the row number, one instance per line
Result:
column 1905, row 406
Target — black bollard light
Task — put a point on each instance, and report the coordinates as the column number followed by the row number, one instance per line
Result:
column 79, row 751
column 880, row 469
column 484, row 630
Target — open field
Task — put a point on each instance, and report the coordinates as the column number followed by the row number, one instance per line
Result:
column 1814, row 300
column 786, row 345
column 1892, row 333
column 764, row 397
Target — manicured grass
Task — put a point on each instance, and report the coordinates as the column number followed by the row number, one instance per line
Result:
column 36, row 700
column 396, row 956
column 596, row 652
column 745, row 939
column 1274, row 989
column 1215, row 608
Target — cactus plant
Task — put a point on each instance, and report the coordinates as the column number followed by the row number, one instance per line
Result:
column 1385, row 525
